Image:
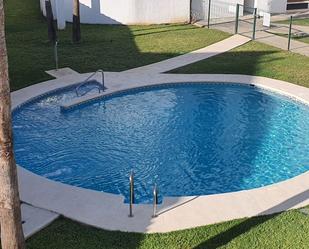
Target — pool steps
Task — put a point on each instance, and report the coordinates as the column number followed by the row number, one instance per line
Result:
column 81, row 100
column 100, row 86
column 89, row 98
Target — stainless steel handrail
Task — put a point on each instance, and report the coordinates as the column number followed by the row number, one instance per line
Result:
column 131, row 194
column 102, row 86
column 155, row 201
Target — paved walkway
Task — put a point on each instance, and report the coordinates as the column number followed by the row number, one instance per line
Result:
column 282, row 42
column 195, row 56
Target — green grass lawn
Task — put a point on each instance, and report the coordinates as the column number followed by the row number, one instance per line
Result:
column 302, row 21
column 111, row 48
column 286, row 230
column 255, row 58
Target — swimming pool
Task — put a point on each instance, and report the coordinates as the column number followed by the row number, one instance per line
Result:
column 190, row 139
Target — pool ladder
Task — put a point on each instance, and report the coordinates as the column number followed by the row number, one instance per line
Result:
column 155, row 197
column 86, row 81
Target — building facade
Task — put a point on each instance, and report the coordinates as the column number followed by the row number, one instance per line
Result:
column 277, row 6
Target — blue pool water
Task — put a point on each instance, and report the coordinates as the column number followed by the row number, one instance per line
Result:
column 189, row 139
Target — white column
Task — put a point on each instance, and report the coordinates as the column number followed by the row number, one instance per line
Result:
column 60, row 15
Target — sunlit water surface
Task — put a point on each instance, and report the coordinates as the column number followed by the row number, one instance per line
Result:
column 189, row 139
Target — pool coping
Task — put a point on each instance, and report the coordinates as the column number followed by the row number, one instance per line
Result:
column 107, row 211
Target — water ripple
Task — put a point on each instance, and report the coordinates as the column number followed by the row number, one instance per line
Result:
column 189, row 139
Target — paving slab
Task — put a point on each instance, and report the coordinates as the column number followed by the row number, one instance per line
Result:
column 61, row 72
column 34, row 219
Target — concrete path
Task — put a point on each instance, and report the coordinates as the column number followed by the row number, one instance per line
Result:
column 61, row 72
column 34, row 219
column 282, row 42
column 195, row 56
column 296, row 28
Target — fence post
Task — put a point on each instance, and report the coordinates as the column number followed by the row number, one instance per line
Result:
column 237, row 18
column 254, row 23
column 290, row 33
column 208, row 18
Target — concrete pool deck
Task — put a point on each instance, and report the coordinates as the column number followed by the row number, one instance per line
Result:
column 108, row 211
column 35, row 219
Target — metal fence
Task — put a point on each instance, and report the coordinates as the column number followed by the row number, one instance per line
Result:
column 293, row 31
column 232, row 17
column 213, row 11
column 246, row 21
column 226, row 15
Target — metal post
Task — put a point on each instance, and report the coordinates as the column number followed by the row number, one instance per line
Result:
column 208, row 18
column 155, row 201
column 56, row 54
column 103, row 80
column 131, row 194
column 254, row 23
column 237, row 18
column 290, row 33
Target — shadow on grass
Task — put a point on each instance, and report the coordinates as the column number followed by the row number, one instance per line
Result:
column 233, row 62
column 167, row 30
column 230, row 234
column 109, row 47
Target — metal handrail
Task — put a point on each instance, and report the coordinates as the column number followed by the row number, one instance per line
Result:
column 131, row 197
column 155, row 201
column 102, row 86
column 131, row 178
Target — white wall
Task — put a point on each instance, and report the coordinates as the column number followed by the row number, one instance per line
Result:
column 219, row 8
column 122, row 11
column 263, row 5
column 278, row 6
column 269, row 6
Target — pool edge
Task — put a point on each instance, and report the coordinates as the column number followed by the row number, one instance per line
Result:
column 108, row 211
